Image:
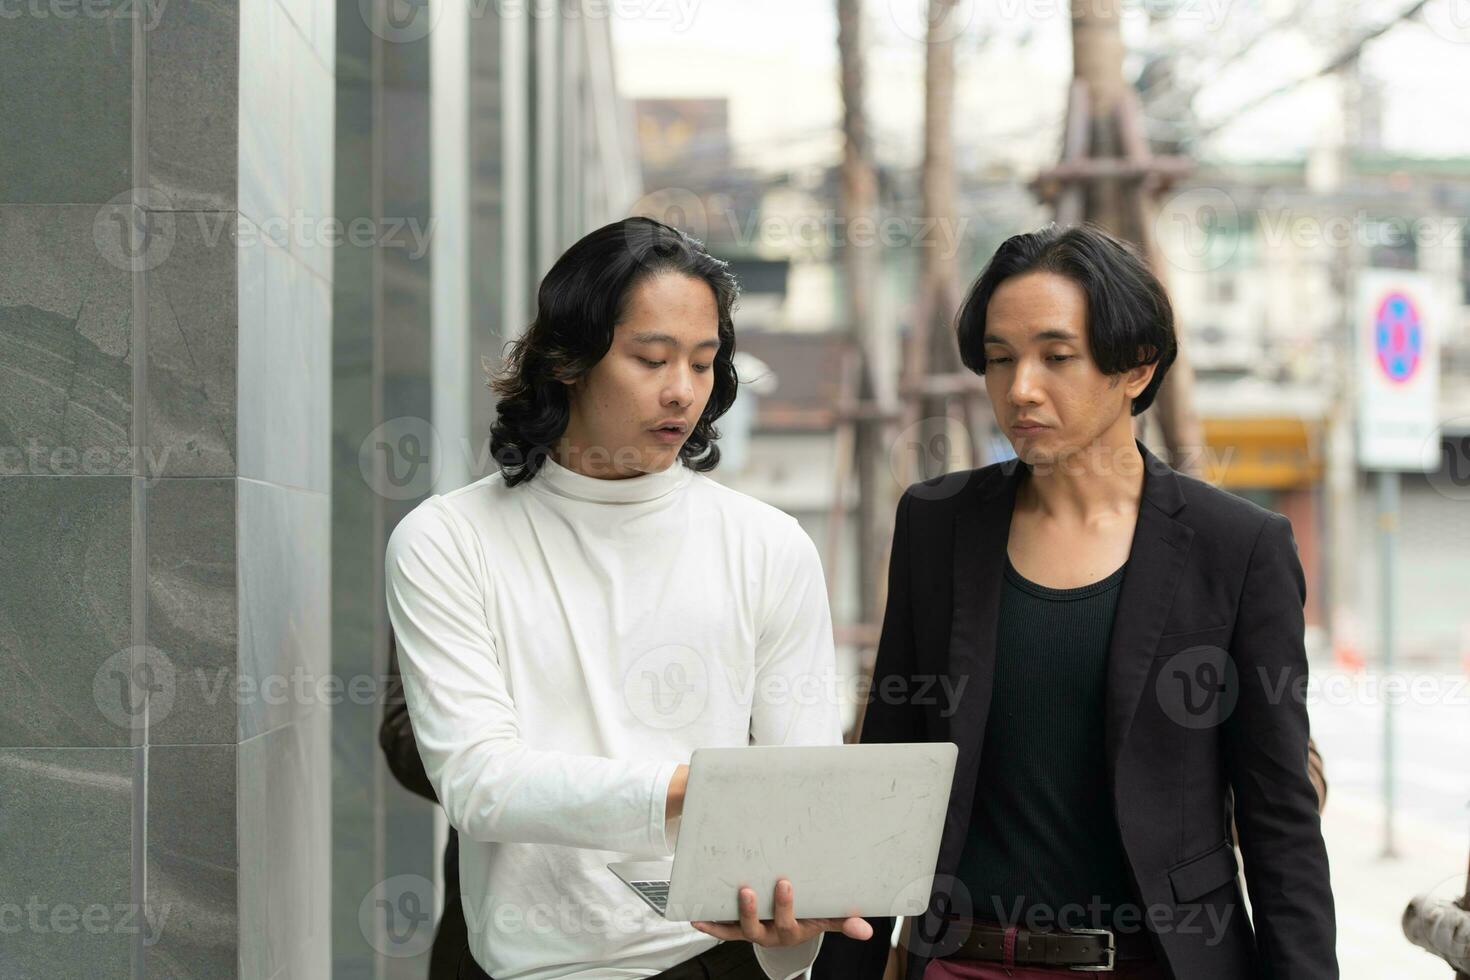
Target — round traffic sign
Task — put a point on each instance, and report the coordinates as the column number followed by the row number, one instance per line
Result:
column 1398, row 336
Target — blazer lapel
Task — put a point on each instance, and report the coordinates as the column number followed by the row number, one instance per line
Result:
column 982, row 526
column 1155, row 563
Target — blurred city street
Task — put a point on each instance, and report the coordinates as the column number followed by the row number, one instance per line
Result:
column 1432, row 826
column 280, row 279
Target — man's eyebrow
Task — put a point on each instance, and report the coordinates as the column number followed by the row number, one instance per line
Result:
column 663, row 338
column 1054, row 334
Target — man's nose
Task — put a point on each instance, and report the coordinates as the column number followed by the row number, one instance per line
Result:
column 680, row 390
column 1024, row 389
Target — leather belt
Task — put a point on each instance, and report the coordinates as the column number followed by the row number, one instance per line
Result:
column 1084, row 950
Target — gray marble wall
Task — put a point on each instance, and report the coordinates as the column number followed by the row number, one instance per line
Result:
column 165, row 392
column 216, row 288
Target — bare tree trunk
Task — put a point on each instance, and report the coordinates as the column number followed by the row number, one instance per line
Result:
column 1125, row 208
column 932, row 348
column 862, row 269
column 1097, row 59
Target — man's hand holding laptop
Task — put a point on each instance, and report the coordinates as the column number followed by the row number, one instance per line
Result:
column 784, row 929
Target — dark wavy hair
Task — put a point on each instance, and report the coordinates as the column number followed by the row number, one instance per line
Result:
column 580, row 301
column 1130, row 321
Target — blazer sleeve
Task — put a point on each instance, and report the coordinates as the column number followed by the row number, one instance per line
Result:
column 395, row 733
column 1266, row 750
column 883, row 721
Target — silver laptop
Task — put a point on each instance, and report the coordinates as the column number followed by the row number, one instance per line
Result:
column 855, row 828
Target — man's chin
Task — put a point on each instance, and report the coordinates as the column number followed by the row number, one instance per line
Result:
column 661, row 459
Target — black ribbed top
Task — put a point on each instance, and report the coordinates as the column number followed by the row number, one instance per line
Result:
column 1042, row 830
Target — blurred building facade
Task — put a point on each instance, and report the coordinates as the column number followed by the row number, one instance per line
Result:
column 1266, row 296
column 1263, row 295
column 249, row 270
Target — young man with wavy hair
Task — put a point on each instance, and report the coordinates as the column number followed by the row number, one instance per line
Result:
column 1132, row 640
column 573, row 626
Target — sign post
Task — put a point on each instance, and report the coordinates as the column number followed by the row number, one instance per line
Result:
column 1398, row 418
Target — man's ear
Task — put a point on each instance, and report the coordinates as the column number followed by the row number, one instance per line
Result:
column 1140, row 376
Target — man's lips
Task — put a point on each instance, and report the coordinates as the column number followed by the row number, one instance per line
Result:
column 670, row 433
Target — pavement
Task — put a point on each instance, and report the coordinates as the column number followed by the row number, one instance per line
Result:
column 1431, row 822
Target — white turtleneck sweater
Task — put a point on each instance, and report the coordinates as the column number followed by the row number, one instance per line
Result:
column 564, row 645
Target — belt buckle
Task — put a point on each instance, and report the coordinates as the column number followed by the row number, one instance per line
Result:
column 1110, row 948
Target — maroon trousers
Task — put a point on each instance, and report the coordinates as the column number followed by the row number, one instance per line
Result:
column 955, row 969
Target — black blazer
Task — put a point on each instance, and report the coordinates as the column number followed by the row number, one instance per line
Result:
column 1213, row 589
column 401, row 750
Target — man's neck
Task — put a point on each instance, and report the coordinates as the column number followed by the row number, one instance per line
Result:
column 1083, row 487
column 593, row 461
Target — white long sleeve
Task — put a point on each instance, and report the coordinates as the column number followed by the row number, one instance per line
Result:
column 564, row 646
column 493, row 786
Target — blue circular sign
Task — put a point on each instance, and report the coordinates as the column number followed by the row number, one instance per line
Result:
column 1398, row 336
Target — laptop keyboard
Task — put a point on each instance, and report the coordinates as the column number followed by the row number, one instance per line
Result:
column 657, row 893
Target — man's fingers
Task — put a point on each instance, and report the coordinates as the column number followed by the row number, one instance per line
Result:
column 750, row 926
column 785, row 911
column 857, row 928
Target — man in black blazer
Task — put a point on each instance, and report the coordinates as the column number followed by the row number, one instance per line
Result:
column 1124, row 648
